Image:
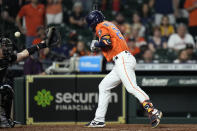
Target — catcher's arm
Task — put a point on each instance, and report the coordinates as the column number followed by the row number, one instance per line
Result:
column 53, row 38
column 22, row 55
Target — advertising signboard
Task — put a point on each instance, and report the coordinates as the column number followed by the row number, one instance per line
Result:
column 90, row 64
column 69, row 99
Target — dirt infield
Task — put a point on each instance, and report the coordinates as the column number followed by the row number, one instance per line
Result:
column 114, row 127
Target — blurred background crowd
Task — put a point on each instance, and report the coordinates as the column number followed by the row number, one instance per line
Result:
column 156, row 31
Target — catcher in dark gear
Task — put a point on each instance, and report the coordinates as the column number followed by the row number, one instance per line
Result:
column 8, row 57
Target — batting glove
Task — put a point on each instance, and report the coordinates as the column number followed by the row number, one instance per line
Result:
column 92, row 45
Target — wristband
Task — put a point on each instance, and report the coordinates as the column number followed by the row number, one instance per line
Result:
column 35, row 48
column 41, row 45
column 32, row 49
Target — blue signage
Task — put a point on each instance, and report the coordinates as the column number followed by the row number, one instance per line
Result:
column 90, row 64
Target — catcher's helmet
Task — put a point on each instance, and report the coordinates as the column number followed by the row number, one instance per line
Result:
column 94, row 17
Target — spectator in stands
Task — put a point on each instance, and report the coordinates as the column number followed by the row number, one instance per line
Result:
column 88, row 4
column 178, row 40
column 54, row 12
column 134, row 50
column 9, row 9
column 157, row 41
column 114, row 5
column 137, row 24
column 76, row 18
column 151, row 5
column 34, row 14
column 119, row 21
column 191, row 6
column 165, row 7
column 80, row 50
column 182, row 14
column 147, row 56
column 138, row 39
column 183, row 57
column 32, row 66
column 147, row 18
column 8, row 12
column 146, row 15
column 59, row 53
column 72, row 40
column 190, row 51
column 166, row 28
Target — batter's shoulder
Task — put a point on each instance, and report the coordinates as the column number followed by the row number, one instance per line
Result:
column 100, row 25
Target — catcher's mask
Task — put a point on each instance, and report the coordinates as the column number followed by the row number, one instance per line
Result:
column 7, row 47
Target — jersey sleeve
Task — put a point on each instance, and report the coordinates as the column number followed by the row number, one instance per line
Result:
column 104, row 38
column 22, row 12
column 102, row 32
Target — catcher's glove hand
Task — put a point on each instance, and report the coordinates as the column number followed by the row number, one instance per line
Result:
column 53, row 37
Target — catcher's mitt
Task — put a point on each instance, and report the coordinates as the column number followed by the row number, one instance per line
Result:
column 53, row 37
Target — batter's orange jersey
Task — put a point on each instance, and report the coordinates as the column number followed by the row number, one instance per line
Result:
column 118, row 43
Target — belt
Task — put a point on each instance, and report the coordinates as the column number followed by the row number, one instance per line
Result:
column 116, row 57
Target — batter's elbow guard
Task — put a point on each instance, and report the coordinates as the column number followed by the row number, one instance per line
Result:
column 105, row 41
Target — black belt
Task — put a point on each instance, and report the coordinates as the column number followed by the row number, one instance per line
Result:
column 116, row 57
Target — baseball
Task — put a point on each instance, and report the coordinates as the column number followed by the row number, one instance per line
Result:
column 17, row 34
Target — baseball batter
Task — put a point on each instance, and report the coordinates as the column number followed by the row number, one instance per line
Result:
column 114, row 48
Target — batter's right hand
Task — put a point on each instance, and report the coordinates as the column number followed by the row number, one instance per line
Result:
column 92, row 45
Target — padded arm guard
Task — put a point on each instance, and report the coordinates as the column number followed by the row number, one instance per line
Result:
column 104, row 41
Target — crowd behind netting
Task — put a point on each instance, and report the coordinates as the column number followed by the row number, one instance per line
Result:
column 156, row 31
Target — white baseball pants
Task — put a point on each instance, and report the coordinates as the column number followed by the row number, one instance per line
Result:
column 123, row 71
